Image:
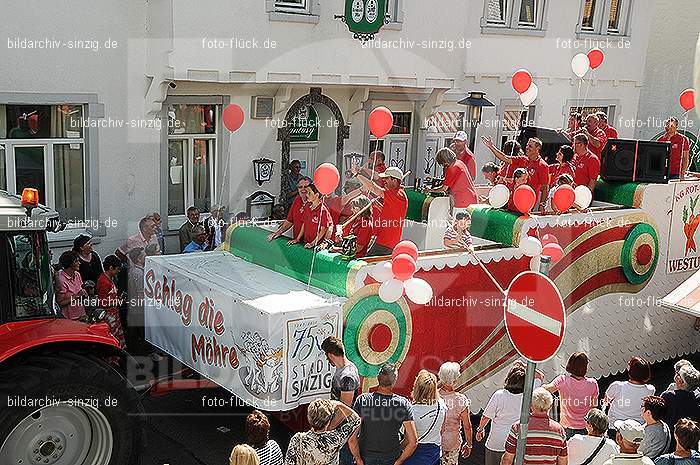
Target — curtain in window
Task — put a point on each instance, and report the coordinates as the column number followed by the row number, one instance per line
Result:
column 496, row 12
column 588, row 14
column 3, row 173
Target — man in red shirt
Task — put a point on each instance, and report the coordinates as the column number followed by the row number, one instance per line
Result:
column 374, row 167
column 545, row 440
column 680, row 149
column 295, row 217
column 596, row 136
column 457, row 179
column 459, row 147
column 537, row 168
column 586, row 164
column 316, row 220
column 389, row 222
column 610, row 131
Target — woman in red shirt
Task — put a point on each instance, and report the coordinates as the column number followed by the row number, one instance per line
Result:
column 109, row 297
column 563, row 164
column 457, row 179
column 317, row 220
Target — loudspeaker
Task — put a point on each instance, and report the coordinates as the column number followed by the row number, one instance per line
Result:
column 551, row 141
column 628, row 160
column 653, row 162
column 619, row 159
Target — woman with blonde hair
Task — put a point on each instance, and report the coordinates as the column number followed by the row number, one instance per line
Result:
column 429, row 412
column 243, row 454
column 456, row 417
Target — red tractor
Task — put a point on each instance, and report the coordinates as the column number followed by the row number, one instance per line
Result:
column 64, row 395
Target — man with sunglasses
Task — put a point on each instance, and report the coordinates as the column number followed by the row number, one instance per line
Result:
column 295, row 216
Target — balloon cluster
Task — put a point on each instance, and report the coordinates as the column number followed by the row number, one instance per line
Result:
column 524, row 197
column 536, row 248
column 581, row 63
column 397, row 276
column 523, row 85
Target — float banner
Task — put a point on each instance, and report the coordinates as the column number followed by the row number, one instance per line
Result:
column 252, row 331
column 683, row 233
column 331, row 272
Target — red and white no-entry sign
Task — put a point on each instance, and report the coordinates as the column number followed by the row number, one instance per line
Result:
column 534, row 316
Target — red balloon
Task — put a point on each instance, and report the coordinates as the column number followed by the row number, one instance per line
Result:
column 403, row 266
column 687, row 99
column 521, row 80
column 524, row 199
column 406, row 247
column 549, row 239
column 380, row 121
column 564, row 198
column 596, row 57
column 326, row 178
column 233, row 117
column 554, row 251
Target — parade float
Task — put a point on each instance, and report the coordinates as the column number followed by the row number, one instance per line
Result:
column 251, row 316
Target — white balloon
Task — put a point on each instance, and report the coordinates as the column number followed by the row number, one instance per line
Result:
column 381, row 272
column 580, row 64
column 391, row 291
column 418, row 290
column 530, row 95
column 499, row 195
column 530, row 246
column 535, row 263
column 584, row 196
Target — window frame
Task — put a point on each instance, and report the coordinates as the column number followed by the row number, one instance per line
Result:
column 512, row 22
column 47, row 145
column 219, row 169
column 309, row 14
column 601, row 19
column 394, row 14
column 188, row 168
column 93, row 109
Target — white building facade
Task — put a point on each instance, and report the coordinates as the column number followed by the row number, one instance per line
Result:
column 87, row 92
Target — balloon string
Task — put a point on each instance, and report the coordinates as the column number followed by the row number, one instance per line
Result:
column 588, row 88
column 313, row 253
column 488, row 273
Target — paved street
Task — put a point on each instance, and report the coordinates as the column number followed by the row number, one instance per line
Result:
column 185, row 430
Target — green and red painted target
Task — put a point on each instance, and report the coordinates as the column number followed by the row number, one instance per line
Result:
column 375, row 332
column 640, row 253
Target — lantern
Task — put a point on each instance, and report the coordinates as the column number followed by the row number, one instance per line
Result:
column 262, row 170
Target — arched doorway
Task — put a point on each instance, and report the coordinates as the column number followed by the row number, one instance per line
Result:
column 315, row 99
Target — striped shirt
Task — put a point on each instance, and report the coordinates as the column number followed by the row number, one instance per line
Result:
column 464, row 238
column 546, row 440
column 270, row 454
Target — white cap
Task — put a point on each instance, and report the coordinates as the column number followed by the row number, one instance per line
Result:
column 461, row 135
column 630, row 430
column 393, row 172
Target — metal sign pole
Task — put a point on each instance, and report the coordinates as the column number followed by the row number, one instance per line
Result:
column 527, row 391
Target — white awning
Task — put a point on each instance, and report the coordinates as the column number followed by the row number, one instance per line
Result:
column 686, row 297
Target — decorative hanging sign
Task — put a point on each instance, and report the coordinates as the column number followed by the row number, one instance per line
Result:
column 364, row 17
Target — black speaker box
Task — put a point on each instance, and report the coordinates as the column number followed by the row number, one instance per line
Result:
column 551, row 141
column 626, row 160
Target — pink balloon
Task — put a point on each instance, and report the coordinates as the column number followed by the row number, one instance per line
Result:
column 549, row 239
column 524, row 199
column 326, row 178
column 403, row 266
column 554, row 251
column 233, row 117
column 564, row 198
column 596, row 57
column 405, row 247
column 687, row 99
column 380, row 121
column 521, row 80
